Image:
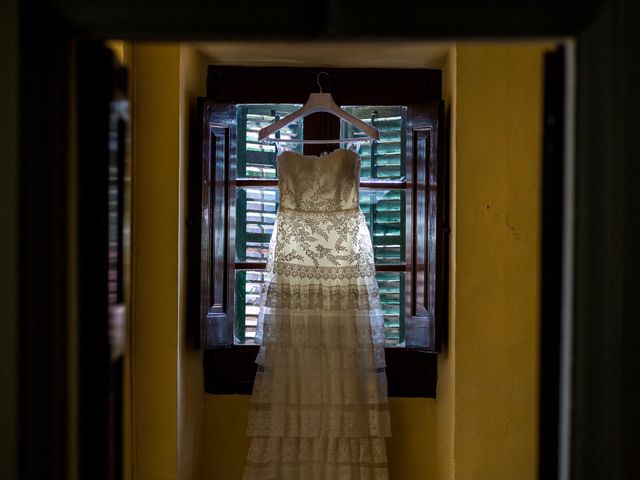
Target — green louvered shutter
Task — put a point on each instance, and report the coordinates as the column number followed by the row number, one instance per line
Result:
column 383, row 163
column 256, row 202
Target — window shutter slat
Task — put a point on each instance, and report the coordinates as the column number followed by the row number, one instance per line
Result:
column 384, row 208
column 425, row 324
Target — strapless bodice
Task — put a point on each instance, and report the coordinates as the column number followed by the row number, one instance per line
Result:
column 319, row 183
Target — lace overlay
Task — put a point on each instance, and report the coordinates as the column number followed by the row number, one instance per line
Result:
column 319, row 405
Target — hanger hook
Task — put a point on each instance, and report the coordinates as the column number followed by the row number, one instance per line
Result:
column 318, row 79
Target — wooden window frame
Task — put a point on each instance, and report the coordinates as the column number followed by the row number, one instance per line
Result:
column 230, row 368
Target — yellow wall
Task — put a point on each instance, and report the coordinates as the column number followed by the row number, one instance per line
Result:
column 497, row 231
column 483, row 423
column 167, row 393
column 155, row 279
column 190, row 380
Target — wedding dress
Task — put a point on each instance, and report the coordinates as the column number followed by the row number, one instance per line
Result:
column 319, row 405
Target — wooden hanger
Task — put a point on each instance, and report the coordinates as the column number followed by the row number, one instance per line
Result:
column 319, row 102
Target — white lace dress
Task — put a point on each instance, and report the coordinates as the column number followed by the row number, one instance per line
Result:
column 319, row 406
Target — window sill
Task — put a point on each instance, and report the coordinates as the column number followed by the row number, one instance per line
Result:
column 231, row 370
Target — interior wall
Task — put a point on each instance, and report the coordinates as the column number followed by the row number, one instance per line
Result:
column 497, row 258
column 483, row 423
column 190, row 380
column 167, row 392
column 155, row 260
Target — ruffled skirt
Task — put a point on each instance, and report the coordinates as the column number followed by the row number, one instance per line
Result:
column 319, row 405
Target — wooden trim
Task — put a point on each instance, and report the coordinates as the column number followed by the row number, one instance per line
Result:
column 349, row 86
column 373, row 184
column 232, row 370
column 392, row 267
column 250, row 265
column 254, row 182
column 95, row 90
column 551, row 252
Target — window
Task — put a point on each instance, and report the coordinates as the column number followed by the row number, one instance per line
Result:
column 383, row 204
column 234, row 198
